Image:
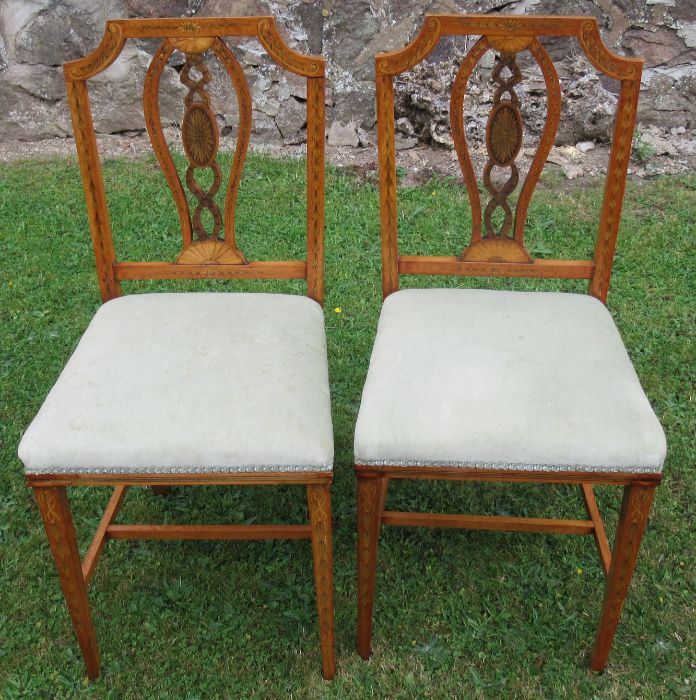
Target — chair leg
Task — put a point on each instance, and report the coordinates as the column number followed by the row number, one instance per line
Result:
column 635, row 509
column 319, row 505
column 370, row 494
column 383, row 490
column 55, row 511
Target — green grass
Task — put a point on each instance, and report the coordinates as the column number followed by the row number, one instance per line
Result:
column 458, row 614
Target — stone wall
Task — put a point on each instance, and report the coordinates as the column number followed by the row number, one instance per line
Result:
column 37, row 36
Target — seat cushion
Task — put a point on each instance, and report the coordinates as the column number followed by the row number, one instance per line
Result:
column 188, row 383
column 505, row 380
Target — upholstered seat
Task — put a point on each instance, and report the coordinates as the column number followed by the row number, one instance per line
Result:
column 506, row 380
column 191, row 383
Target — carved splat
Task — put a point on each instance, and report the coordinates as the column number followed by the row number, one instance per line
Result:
column 503, row 142
column 504, row 138
column 200, row 138
column 199, row 134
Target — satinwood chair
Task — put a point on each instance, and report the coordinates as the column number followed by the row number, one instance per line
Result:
column 191, row 388
column 487, row 385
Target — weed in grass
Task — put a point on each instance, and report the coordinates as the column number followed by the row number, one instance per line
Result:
column 641, row 150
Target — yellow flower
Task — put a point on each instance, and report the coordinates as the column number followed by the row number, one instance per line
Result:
column 579, row 570
column 433, row 194
column 338, row 309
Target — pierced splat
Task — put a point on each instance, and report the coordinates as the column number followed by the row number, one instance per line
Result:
column 200, row 138
column 502, row 242
column 503, row 143
column 199, row 134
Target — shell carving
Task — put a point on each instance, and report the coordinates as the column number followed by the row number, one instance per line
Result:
column 504, row 133
column 199, row 135
column 496, row 250
column 211, row 252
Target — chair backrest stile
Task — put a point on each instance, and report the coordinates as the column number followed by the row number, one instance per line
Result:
column 501, row 252
column 205, row 254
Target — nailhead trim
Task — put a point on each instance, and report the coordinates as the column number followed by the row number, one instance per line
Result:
column 182, row 470
column 512, row 466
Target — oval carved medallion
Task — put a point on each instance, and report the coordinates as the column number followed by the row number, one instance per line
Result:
column 199, row 135
column 504, row 133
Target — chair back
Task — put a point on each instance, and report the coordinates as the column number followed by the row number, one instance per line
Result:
column 499, row 251
column 206, row 252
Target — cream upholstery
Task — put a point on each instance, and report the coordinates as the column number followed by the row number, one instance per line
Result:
column 509, row 380
column 190, row 382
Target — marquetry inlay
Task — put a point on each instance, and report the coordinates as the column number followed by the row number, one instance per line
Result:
column 200, row 136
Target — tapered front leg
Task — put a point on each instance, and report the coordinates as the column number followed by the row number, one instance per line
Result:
column 370, row 493
column 55, row 511
column 319, row 505
column 635, row 509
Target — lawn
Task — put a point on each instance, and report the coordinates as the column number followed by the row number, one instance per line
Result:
column 458, row 614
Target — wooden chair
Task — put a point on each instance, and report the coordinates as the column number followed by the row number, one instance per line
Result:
column 191, row 388
column 484, row 385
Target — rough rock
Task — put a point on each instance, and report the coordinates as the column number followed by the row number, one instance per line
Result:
column 344, row 134
column 156, row 8
column 588, row 111
column 657, row 47
column 33, row 103
column 3, row 55
column 291, row 118
column 50, row 32
column 404, row 126
column 573, row 171
column 658, row 143
column 37, row 36
column 116, row 94
column 403, row 143
column 265, row 128
column 669, row 97
column 367, row 138
column 352, row 105
column 233, row 8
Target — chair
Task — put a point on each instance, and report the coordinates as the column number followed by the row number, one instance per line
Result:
column 489, row 385
column 191, row 388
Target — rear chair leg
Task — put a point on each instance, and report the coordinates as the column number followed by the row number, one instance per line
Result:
column 319, row 506
column 635, row 509
column 55, row 511
column 383, row 490
column 371, row 494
